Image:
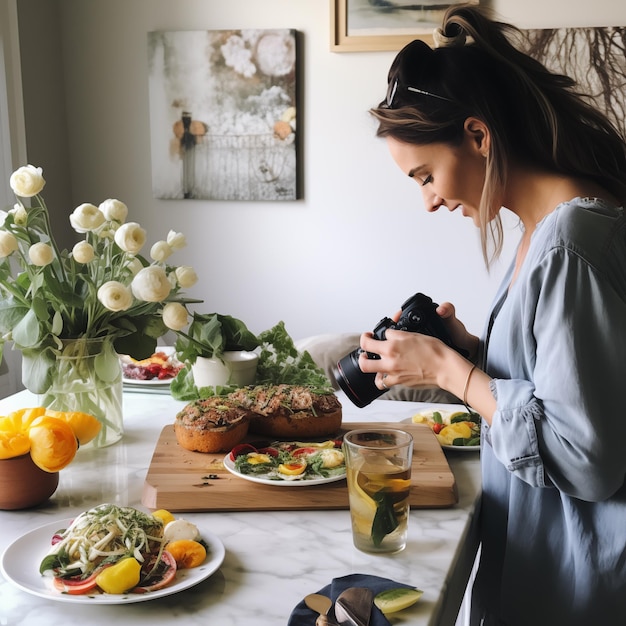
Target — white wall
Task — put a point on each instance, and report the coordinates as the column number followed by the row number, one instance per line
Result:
column 356, row 245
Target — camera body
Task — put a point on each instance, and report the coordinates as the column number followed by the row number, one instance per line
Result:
column 418, row 315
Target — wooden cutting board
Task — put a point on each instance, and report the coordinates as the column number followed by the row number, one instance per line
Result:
column 181, row 480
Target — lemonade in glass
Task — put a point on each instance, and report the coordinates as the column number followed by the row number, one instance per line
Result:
column 378, row 468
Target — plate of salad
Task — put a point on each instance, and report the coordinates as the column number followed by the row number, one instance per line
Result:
column 455, row 427
column 24, row 560
column 288, row 463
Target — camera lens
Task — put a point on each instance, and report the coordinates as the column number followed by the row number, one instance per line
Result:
column 358, row 386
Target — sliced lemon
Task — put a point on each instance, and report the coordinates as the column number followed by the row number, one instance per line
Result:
column 397, row 599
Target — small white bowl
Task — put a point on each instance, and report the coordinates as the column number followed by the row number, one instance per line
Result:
column 237, row 367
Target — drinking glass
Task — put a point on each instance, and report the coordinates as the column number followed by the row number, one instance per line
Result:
column 378, row 468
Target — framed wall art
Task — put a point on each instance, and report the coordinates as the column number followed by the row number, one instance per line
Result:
column 595, row 57
column 375, row 25
column 223, row 114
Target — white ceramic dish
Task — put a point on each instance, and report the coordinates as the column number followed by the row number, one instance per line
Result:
column 230, row 466
column 153, row 382
column 21, row 559
column 447, row 409
column 461, row 448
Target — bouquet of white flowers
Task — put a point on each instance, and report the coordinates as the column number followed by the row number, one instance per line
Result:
column 101, row 289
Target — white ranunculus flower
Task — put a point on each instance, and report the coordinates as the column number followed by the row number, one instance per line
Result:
column 134, row 265
column 175, row 316
column 115, row 296
column 20, row 214
column 27, row 181
column 160, row 251
column 186, row 276
column 83, row 252
column 114, row 210
column 130, row 237
column 40, row 254
column 8, row 244
column 151, row 284
column 86, row 218
column 176, row 240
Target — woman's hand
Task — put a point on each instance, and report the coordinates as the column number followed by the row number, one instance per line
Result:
column 406, row 358
column 417, row 360
column 457, row 331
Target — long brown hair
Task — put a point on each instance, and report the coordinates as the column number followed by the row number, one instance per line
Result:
column 535, row 117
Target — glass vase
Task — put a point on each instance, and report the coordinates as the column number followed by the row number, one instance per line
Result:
column 88, row 378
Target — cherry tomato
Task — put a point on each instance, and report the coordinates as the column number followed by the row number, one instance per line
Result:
column 437, row 428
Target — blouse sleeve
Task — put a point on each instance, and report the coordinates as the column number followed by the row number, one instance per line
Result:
column 563, row 424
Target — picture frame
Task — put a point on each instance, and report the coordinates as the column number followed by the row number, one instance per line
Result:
column 378, row 30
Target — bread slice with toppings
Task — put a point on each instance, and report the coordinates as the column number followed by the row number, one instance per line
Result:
column 290, row 411
column 211, row 425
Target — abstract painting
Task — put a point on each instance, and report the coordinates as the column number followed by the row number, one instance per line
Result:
column 594, row 57
column 223, row 114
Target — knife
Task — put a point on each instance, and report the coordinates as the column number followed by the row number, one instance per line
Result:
column 354, row 606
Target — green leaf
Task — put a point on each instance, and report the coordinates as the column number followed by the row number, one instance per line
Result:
column 385, row 519
column 107, row 364
column 37, row 369
column 280, row 362
column 27, row 331
column 11, row 312
column 211, row 334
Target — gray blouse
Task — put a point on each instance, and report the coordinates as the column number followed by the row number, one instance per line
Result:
column 554, row 459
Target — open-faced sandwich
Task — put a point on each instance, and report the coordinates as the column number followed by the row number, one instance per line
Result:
column 218, row 423
column 290, row 411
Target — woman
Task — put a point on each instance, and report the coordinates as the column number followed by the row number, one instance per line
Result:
column 479, row 126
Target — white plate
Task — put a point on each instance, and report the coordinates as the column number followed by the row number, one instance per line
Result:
column 446, row 409
column 306, row 482
column 21, row 559
column 153, row 382
column 460, row 448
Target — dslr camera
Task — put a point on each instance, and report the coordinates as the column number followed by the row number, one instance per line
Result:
column 418, row 316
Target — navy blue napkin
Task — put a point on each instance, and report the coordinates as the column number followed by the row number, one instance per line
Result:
column 303, row 616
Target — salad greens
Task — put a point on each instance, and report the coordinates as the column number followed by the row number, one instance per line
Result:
column 279, row 360
column 106, row 533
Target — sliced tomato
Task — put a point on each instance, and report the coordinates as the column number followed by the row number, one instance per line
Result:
column 298, row 452
column 269, row 450
column 78, row 586
column 167, row 576
column 242, row 448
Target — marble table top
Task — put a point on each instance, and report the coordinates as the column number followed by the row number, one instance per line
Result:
column 273, row 559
